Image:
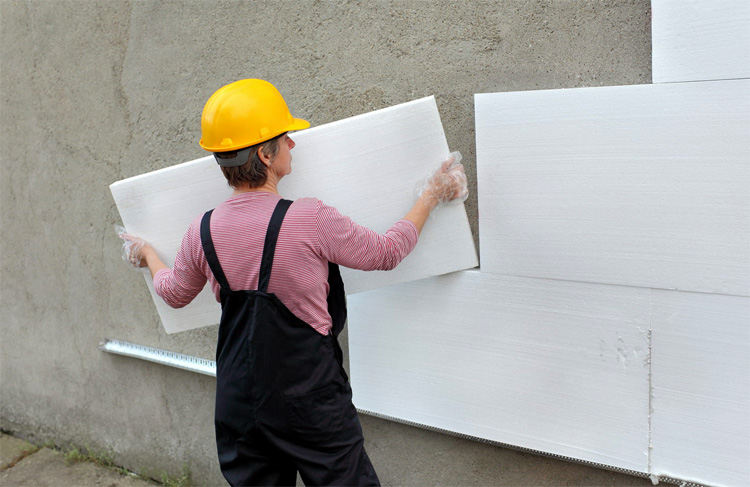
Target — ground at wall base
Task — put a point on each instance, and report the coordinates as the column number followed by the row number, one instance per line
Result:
column 22, row 463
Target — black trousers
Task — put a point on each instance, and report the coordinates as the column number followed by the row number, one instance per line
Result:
column 322, row 440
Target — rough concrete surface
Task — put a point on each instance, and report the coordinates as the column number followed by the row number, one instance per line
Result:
column 48, row 467
column 92, row 92
column 13, row 449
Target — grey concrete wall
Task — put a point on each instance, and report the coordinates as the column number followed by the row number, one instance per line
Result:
column 96, row 91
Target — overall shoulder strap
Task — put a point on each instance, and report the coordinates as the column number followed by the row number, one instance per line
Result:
column 269, row 247
column 210, row 251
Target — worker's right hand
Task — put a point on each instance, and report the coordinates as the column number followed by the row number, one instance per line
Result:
column 445, row 183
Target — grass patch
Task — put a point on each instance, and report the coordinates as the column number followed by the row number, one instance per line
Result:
column 182, row 480
column 74, row 455
column 107, row 460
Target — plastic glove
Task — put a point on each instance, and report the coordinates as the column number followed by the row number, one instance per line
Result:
column 446, row 183
column 132, row 247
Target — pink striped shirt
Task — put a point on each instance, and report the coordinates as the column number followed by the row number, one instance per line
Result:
column 311, row 235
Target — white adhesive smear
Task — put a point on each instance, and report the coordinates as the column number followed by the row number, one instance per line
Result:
column 366, row 166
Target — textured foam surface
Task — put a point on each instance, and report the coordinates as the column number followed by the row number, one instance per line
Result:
column 701, row 387
column 632, row 185
column 699, row 40
column 560, row 367
column 366, row 166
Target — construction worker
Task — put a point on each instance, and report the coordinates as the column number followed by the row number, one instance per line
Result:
column 283, row 400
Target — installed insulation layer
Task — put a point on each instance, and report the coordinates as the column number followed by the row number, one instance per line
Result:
column 555, row 366
column 366, row 166
column 700, row 40
column 632, row 185
column 701, row 387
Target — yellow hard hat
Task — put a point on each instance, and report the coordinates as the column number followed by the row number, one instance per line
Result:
column 245, row 113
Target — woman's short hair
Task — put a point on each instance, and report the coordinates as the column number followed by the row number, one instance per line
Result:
column 253, row 173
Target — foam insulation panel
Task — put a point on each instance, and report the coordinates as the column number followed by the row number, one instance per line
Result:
column 632, row 185
column 555, row 366
column 701, row 388
column 366, row 166
column 698, row 40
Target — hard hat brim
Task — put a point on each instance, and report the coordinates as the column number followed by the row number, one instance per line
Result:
column 297, row 124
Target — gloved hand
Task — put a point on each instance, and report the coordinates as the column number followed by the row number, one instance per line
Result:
column 447, row 182
column 132, row 248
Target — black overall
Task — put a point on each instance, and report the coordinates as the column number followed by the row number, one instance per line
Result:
column 283, row 400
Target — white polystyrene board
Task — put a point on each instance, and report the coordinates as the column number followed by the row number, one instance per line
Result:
column 560, row 367
column 159, row 206
column 366, row 166
column 633, row 185
column 698, row 40
column 701, row 387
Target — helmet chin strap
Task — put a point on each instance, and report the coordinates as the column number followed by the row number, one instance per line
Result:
column 241, row 158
